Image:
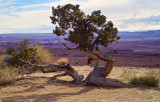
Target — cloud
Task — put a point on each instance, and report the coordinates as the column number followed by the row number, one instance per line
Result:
column 25, row 21
column 127, row 15
column 27, row 30
column 6, row 2
column 140, row 24
column 85, row 3
column 33, row 18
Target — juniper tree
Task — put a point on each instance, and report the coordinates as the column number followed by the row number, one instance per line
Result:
column 87, row 32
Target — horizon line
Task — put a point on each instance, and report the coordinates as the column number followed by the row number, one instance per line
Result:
column 52, row 33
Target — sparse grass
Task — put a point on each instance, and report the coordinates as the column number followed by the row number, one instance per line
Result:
column 141, row 77
column 145, row 81
column 127, row 74
column 153, row 73
column 8, row 75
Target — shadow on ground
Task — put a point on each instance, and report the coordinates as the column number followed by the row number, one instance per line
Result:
column 33, row 87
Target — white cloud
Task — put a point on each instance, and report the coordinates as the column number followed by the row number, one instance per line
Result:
column 26, row 20
column 6, row 2
column 128, row 15
column 33, row 19
column 141, row 26
column 85, row 4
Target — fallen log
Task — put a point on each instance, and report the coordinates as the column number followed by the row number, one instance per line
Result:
column 67, row 68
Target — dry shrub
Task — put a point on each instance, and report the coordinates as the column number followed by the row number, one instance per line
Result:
column 141, row 77
column 154, row 73
column 8, row 75
column 145, row 81
column 5, row 60
column 44, row 55
column 62, row 60
column 2, row 57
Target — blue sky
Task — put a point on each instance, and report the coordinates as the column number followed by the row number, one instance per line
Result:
column 32, row 16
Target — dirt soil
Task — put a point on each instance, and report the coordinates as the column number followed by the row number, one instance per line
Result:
column 40, row 87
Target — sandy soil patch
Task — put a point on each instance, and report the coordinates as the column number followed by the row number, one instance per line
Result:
column 41, row 88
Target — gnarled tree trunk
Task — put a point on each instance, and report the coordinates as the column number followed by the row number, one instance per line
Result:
column 99, row 74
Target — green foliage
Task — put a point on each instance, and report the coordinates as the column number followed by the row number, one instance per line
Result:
column 10, row 49
column 145, row 81
column 28, row 54
column 18, row 46
column 11, row 65
column 23, row 51
column 86, row 31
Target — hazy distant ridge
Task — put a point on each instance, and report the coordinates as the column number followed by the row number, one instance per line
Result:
column 125, row 36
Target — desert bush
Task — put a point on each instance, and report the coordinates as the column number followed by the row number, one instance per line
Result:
column 44, row 55
column 21, row 45
column 154, row 73
column 148, row 77
column 62, row 60
column 10, row 49
column 8, row 74
column 3, row 60
column 145, row 81
column 23, row 50
column 28, row 54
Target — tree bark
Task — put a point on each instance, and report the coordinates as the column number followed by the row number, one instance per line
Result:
column 67, row 68
column 99, row 74
column 100, row 81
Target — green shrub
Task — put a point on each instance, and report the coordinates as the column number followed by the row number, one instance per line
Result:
column 34, row 54
column 10, row 49
column 21, row 45
column 28, row 54
column 8, row 75
column 145, row 81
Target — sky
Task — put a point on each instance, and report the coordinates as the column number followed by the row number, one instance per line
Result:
column 33, row 16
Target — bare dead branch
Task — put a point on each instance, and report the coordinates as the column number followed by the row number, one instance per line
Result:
column 68, row 69
column 68, row 48
column 99, row 55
